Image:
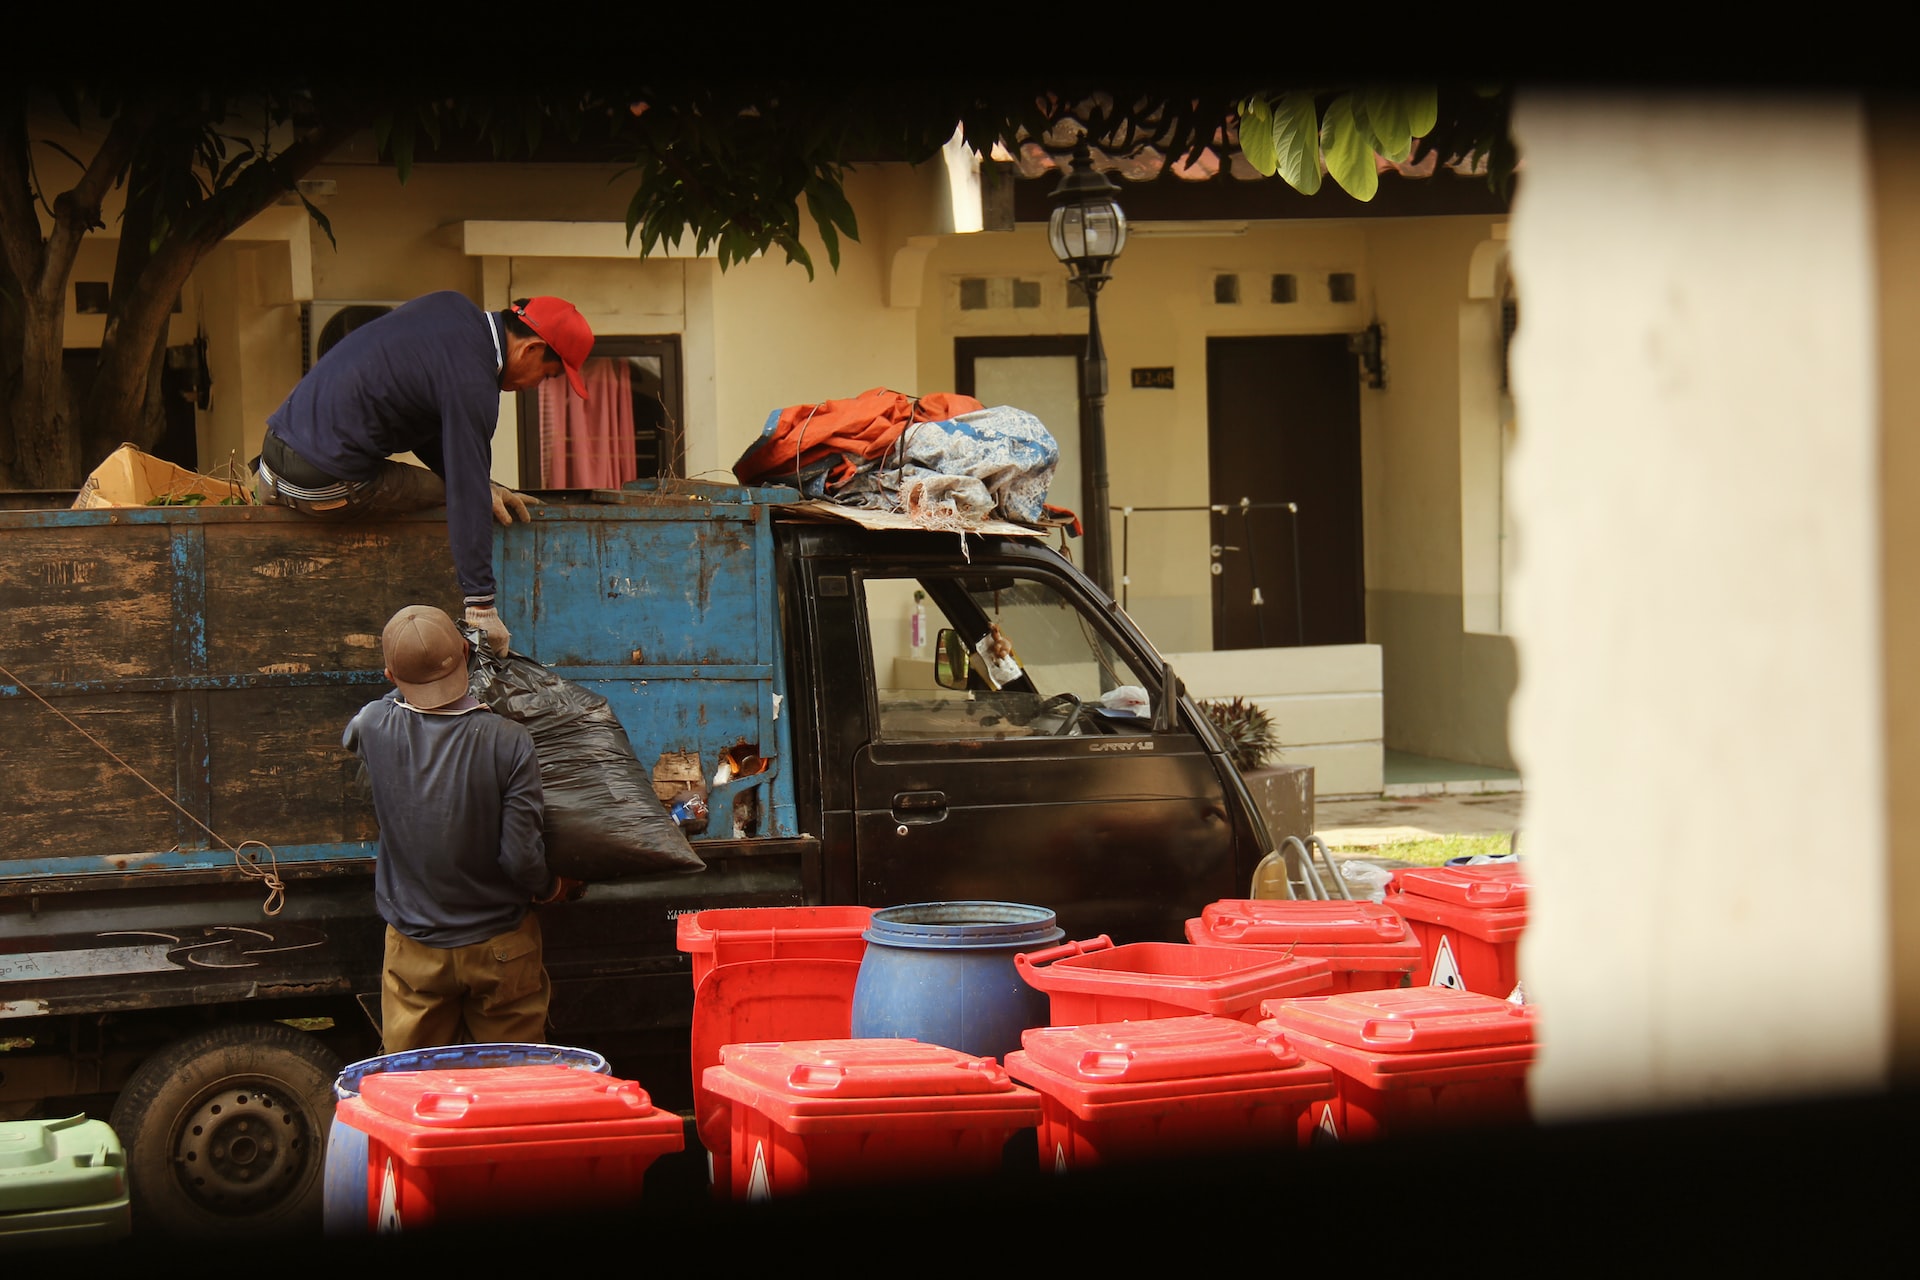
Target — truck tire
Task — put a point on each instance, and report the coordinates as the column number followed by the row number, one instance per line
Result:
column 226, row 1132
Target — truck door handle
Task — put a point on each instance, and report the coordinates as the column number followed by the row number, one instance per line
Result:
column 919, row 806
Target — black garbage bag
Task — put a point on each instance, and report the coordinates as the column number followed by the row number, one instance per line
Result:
column 603, row 818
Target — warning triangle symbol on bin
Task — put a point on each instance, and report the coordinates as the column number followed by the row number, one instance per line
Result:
column 389, row 1217
column 1446, row 970
column 1327, row 1126
column 759, row 1188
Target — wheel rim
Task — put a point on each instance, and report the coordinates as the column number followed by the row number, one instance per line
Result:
column 241, row 1148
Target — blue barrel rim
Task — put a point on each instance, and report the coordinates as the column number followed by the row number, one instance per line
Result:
column 996, row 926
column 497, row 1053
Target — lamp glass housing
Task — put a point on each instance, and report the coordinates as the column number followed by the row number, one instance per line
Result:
column 1088, row 231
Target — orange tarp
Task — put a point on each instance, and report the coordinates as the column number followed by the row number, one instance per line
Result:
column 865, row 425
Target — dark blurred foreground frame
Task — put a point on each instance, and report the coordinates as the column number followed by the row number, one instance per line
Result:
column 1826, row 1179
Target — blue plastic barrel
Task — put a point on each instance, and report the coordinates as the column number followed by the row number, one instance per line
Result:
column 943, row 973
column 344, row 1192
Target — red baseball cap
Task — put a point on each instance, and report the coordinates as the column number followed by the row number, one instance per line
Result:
column 564, row 330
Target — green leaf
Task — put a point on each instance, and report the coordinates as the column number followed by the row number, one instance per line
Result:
column 402, row 142
column 1347, row 144
column 636, row 213
column 1387, row 119
column 828, row 236
column 1296, row 142
column 827, row 202
column 1256, row 135
column 1423, row 109
column 77, row 161
column 226, row 175
column 318, row 217
column 69, row 101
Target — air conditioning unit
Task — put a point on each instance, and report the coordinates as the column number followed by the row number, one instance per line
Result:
column 325, row 321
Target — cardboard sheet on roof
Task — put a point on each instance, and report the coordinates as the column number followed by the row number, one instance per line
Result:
column 872, row 518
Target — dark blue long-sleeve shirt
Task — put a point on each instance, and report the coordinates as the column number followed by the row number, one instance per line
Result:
column 425, row 379
column 458, row 799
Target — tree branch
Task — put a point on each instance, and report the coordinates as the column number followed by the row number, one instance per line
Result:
column 20, row 237
column 77, row 211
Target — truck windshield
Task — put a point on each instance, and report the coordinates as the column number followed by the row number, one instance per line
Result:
column 1037, row 666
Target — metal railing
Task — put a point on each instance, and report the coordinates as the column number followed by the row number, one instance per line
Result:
column 1245, row 508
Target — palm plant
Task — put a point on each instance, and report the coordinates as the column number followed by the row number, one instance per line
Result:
column 1249, row 732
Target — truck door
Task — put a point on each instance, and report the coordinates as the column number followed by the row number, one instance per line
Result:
column 1036, row 775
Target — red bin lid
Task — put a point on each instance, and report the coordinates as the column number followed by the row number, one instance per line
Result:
column 500, row 1097
column 1302, row 923
column 1495, row 885
column 1405, row 1019
column 1162, row 968
column 699, row 931
column 872, row 1068
column 1158, row 1049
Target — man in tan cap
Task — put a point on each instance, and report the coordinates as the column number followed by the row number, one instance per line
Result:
column 456, row 791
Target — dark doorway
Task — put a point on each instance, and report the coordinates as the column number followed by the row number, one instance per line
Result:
column 1283, row 431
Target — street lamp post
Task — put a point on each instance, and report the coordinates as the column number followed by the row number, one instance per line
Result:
column 1087, row 231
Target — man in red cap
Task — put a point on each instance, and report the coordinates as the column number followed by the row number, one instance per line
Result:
column 424, row 379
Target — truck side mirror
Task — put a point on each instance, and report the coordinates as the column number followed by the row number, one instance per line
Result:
column 1166, row 717
column 950, row 659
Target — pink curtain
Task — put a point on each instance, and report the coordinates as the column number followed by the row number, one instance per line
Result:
column 588, row 445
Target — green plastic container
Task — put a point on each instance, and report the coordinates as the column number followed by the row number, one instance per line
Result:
column 62, row 1182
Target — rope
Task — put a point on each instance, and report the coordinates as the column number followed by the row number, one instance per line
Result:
column 248, row 863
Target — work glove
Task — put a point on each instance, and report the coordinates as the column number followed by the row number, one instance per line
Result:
column 493, row 632
column 507, row 504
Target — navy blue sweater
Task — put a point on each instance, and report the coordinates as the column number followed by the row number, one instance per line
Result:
column 460, row 808
column 424, row 379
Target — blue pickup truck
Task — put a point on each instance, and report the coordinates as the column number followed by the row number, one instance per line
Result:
column 187, row 927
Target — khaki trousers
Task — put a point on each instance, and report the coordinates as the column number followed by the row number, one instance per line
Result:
column 499, row 988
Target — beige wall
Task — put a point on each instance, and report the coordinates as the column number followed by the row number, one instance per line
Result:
column 1447, row 690
column 782, row 339
column 1699, row 713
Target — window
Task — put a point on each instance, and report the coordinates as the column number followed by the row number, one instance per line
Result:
column 997, row 293
column 628, row 427
column 1283, row 289
column 1059, row 674
column 1226, row 289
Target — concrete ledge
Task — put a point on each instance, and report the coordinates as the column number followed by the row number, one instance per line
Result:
column 1457, row 787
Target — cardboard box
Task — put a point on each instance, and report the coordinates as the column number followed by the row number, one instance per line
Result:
column 130, row 478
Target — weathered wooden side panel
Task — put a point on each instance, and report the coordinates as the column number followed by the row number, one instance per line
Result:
column 216, row 655
column 309, row 597
column 87, row 604
column 62, row 794
column 278, row 772
column 177, row 680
